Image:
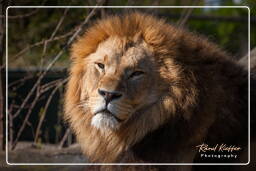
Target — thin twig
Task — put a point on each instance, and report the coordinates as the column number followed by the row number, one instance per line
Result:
column 49, row 85
column 64, row 138
column 20, row 81
column 184, row 19
column 186, row 13
column 10, row 126
column 24, row 15
column 31, row 127
column 59, row 23
column 21, row 16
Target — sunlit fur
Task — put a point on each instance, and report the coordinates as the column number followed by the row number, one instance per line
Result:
column 188, row 84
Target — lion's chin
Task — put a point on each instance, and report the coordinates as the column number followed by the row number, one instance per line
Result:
column 105, row 122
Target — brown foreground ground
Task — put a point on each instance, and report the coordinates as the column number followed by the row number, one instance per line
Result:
column 26, row 153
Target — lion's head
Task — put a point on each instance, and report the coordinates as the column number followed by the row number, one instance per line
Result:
column 125, row 81
column 121, row 78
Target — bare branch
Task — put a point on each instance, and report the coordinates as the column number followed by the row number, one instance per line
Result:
column 20, row 81
column 184, row 19
column 21, row 16
column 10, row 128
column 59, row 23
column 24, row 15
column 49, row 85
column 46, row 107
column 186, row 13
column 25, row 120
column 64, row 138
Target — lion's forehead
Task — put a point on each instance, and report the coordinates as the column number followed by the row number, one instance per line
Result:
column 113, row 52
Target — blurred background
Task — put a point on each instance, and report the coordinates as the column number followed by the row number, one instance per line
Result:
column 38, row 60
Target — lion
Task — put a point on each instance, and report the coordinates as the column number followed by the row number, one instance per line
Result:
column 144, row 91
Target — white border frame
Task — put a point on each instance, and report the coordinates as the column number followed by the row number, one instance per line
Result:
column 76, row 164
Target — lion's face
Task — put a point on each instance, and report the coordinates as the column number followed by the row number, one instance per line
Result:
column 119, row 81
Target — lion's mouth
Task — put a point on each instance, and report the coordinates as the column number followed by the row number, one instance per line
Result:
column 109, row 114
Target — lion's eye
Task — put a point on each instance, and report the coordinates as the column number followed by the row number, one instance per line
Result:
column 136, row 74
column 100, row 65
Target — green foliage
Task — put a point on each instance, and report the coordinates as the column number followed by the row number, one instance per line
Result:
column 224, row 33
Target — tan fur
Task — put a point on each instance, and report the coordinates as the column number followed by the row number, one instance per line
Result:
column 191, row 76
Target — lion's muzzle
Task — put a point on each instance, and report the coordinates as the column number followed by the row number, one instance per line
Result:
column 109, row 95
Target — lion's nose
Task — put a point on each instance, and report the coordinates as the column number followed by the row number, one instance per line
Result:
column 109, row 95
